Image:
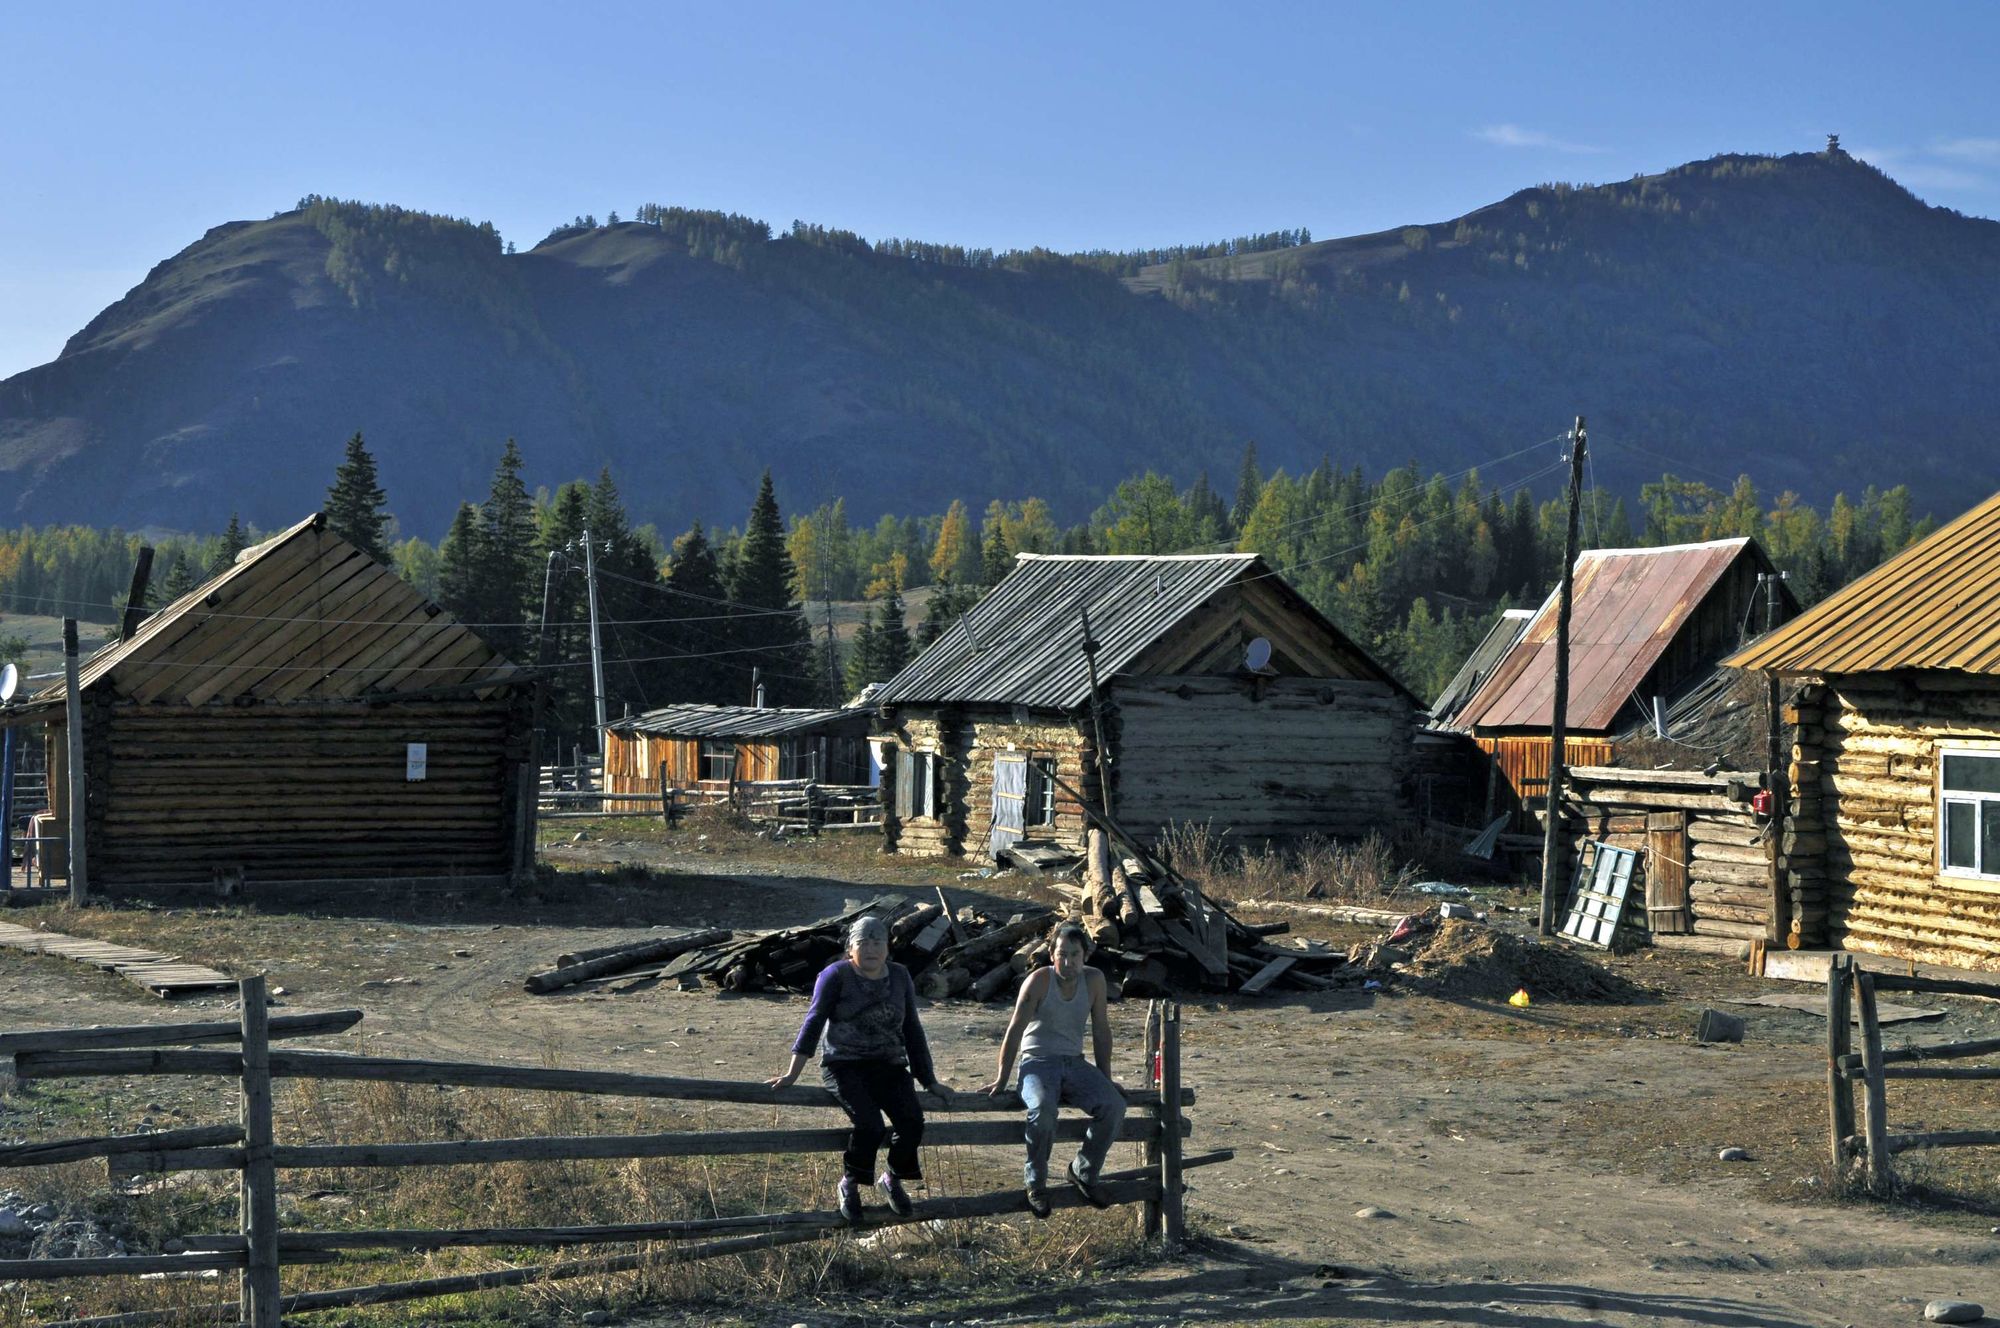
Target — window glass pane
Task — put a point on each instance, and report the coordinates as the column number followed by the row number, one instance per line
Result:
column 1959, row 822
column 1989, row 838
column 1972, row 774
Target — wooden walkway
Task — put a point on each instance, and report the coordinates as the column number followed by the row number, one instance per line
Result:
column 163, row 975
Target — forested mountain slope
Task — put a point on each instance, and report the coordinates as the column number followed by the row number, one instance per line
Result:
column 1802, row 318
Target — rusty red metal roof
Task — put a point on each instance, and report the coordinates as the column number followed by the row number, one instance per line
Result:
column 1629, row 605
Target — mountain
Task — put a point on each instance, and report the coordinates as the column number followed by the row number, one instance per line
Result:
column 1800, row 318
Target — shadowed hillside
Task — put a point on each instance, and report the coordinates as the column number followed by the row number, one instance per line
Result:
column 1803, row 318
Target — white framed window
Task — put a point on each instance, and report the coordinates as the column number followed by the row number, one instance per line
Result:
column 718, row 759
column 1969, row 812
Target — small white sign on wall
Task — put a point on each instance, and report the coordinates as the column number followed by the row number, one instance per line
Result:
column 416, row 760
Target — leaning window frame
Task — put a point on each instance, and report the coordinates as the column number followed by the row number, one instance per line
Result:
column 1038, row 809
column 1975, row 799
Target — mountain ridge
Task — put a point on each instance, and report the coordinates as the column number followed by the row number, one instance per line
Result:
column 1795, row 317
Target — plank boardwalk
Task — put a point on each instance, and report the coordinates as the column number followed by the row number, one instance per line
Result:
column 163, row 975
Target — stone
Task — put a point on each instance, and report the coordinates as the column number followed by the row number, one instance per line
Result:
column 1373, row 1212
column 597, row 1317
column 1954, row 1311
column 12, row 1223
column 1733, row 1155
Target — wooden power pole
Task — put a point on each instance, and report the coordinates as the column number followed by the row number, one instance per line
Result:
column 1553, row 863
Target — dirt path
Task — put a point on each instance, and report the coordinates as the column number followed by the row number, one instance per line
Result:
column 1524, row 1156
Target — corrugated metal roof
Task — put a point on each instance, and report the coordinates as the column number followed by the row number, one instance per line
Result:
column 714, row 721
column 1629, row 605
column 1479, row 665
column 1023, row 643
column 1935, row 605
column 302, row 616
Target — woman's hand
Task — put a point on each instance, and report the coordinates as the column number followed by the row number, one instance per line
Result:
column 785, row 1080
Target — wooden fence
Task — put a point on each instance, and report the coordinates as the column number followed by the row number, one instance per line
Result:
column 1869, row 1147
column 260, row 1247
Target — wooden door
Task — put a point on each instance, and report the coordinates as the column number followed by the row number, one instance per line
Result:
column 1666, row 873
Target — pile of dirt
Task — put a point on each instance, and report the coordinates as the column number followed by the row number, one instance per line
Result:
column 1469, row 959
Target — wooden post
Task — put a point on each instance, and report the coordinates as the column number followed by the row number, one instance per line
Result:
column 1149, row 1215
column 1874, row 1101
column 1096, row 715
column 1839, row 1089
column 1173, row 1209
column 259, row 1189
column 78, row 828
column 1553, row 874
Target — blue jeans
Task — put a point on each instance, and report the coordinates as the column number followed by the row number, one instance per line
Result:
column 1048, row 1082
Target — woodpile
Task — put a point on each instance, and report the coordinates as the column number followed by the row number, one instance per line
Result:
column 1154, row 933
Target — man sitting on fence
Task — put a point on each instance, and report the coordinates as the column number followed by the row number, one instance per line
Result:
column 867, row 1008
column 1047, row 1031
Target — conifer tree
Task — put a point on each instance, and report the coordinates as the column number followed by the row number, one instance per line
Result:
column 505, row 549
column 234, row 541
column 354, row 508
column 996, row 559
column 771, row 631
column 178, row 581
column 1249, row 487
column 458, row 565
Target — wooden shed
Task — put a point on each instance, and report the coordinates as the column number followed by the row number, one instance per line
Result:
column 1645, row 623
column 1219, row 695
column 711, row 748
column 1891, row 836
column 303, row 716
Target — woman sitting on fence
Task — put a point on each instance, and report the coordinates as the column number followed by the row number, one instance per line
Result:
column 867, row 1008
column 1047, row 1031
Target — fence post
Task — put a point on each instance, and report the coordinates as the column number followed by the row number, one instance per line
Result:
column 1149, row 1215
column 1874, row 1098
column 1839, row 1088
column 1171, row 1188
column 259, row 1190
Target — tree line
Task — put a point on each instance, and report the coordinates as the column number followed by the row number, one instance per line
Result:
column 1413, row 566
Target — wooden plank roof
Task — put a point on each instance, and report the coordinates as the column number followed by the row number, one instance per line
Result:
column 1935, row 605
column 1629, row 605
column 1022, row 644
column 303, row 616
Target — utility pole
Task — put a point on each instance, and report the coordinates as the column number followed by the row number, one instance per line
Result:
column 596, row 649
column 1553, row 864
column 1090, row 647
column 1783, row 924
column 76, row 824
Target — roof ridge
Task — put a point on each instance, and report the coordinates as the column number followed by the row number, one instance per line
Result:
column 1132, row 557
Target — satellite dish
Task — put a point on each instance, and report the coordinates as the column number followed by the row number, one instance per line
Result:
column 10, row 682
column 1257, row 655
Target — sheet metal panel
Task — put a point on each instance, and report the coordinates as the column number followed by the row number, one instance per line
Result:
column 1936, row 605
column 1629, row 605
column 713, row 721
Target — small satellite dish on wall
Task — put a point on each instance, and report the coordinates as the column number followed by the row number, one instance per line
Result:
column 1257, row 655
column 10, row 682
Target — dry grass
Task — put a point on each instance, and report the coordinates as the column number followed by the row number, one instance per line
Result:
column 1373, row 871
column 556, row 1193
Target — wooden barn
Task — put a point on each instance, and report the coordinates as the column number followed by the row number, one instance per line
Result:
column 710, row 748
column 1645, row 623
column 1891, row 836
column 303, row 716
column 1216, row 694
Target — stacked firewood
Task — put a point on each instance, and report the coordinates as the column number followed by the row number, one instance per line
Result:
column 1153, row 933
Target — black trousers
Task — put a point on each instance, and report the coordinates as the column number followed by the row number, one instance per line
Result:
column 867, row 1091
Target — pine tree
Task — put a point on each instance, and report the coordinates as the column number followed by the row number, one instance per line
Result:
column 178, row 581
column 892, row 634
column 695, row 598
column 770, row 631
column 234, row 541
column 505, row 546
column 1249, row 487
column 354, row 508
column 458, row 565
column 996, row 559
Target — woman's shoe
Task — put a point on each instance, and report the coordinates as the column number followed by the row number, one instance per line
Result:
column 899, row 1198
column 849, row 1196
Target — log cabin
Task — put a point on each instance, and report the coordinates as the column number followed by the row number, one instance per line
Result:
column 1891, row 825
column 710, row 749
column 1215, row 695
column 304, row 717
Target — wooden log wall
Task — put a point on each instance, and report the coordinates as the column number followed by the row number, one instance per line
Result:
column 1802, row 852
column 1724, row 862
column 970, row 740
column 287, row 792
column 1271, row 758
column 1866, row 761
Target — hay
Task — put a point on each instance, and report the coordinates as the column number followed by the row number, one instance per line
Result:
column 1469, row 959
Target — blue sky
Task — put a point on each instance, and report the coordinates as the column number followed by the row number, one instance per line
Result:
column 127, row 129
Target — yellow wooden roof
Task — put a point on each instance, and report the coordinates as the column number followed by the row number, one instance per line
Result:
column 1935, row 605
column 304, row 616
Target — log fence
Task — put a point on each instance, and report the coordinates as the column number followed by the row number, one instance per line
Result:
column 261, row 1247
column 1863, row 1144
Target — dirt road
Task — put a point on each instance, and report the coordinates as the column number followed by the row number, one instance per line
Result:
column 1554, row 1165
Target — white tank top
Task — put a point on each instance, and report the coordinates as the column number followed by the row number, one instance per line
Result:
column 1057, row 1028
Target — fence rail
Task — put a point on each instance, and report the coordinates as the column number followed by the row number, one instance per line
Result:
column 1864, row 1143
column 260, row 1247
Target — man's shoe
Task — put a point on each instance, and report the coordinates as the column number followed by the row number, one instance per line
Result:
column 899, row 1198
column 1038, row 1201
column 849, row 1195
column 1092, row 1192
